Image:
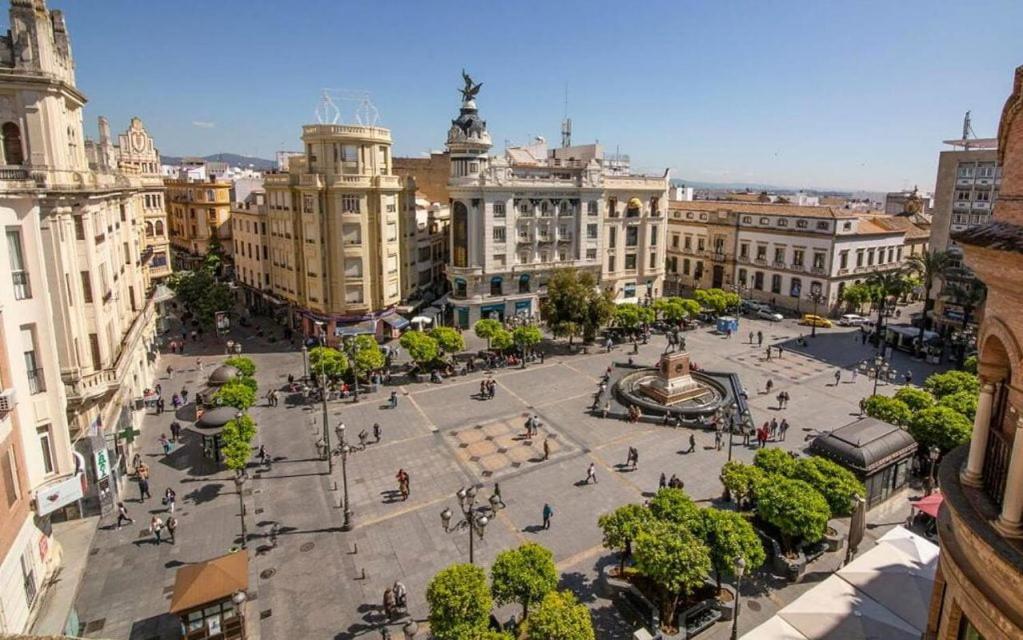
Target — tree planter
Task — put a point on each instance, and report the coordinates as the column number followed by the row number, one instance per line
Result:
column 699, row 618
column 833, row 539
column 620, row 589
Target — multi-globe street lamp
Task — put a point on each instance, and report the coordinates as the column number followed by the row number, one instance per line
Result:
column 740, row 568
column 476, row 523
column 344, row 449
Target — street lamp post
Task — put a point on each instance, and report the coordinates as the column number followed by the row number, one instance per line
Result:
column 740, row 568
column 326, row 427
column 305, row 362
column 880, row 368
column 344, row 450
column 475, row 523
column 933, row 454
column 239, row 483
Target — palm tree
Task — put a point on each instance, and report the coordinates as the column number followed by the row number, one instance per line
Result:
column 885, row 285
column 929, row 266
column 969, row 296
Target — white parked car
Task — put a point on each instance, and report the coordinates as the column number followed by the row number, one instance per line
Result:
column 767, row 314
column 852, row 320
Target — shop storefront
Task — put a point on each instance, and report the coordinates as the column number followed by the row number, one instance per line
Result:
column 209, row 598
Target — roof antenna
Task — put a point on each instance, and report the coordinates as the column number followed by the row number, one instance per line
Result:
column 566, row 124
column 967, row 131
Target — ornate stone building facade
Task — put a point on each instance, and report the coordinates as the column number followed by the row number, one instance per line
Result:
column 516, row 217
column 77, row 309
column 979, row 590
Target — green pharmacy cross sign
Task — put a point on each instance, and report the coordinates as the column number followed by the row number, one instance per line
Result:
column 102, row 464
column 128, row 434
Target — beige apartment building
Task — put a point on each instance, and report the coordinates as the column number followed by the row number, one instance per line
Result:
column 249, row 236
column 966, row 188
column 333, row 232
column 77, row 307
column 199, row 214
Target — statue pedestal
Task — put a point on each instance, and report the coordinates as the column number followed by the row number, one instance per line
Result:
column 674, row 383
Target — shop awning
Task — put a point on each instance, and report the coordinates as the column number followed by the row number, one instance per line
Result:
column 396, row 321
column 162, row 293
column 211, row 581
column 929, row 504
column 366, row 327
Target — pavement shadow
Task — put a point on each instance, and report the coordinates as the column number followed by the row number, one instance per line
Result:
column 533, row 528
column 206, row 493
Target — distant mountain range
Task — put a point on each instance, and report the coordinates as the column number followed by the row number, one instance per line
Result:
column 233, row 159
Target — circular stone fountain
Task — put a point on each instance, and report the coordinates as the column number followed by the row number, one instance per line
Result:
column 674, row 389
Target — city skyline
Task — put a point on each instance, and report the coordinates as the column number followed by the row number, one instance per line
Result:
column 671, row 86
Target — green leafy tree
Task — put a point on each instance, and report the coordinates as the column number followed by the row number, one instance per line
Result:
column 837, row 484
column 857, row 295
column 236, row 442
column 632, row 316
column 673, row 505
column 962, row 402
column 940, row 426
column 929, row 266
column 421, row 347
column 524, row 575
column 676, row 309
column 914, row 398
column 574, row 305
column 448, row 339
column 949, row 382
column 798, row 510
column 367, row 355
column 527, row 336
column 675, row 560
column 486, row 328
column 885, row 287
column 502, row 339
column 970, row 365
column 560, row 617
column 888, row 409
column 237, row 393
column 717, row 300
column 729, row 535
column 741, row 480
column 245, row 366
column 459, row 602
column 620, row 528
column 774, row 460
column 201, row 293
column 327, row 361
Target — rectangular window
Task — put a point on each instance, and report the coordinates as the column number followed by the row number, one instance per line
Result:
column 843, row 259
column 744, row 250
column 591, row 254
column 742, row 277
column 127, row 254
column 591, row 231
column 351, row 203
column 499, row 234
column 653, row 236
column 630, row 261
column 818, row 260
column 97, row 359
column 611, row 238
column 701, row 244
column 36, row 380
column 859, row 257
column 653, row 261
column 762, row 252
column 611, row 263
column 674, row 241
column 591, row 208
column 775, row 283
column 688, row 243
column 870, row 257
column 19, row 275
column 779, row 254
column 631, row 236
column 46, row 448
column 79, row 228
column 499, row 211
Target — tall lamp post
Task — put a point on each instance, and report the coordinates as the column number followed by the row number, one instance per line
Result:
column 726, row 417
column 933, row 454
column 343, row 451
column 475, row 523
column 740, row 568
column 326, row 427
column 305, row 362
column 880, row 368
column 817, row 297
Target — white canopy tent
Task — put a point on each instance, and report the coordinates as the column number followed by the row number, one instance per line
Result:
column 885, row 593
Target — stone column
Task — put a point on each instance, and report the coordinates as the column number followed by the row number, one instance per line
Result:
column 1009, row 522
column 973, row 473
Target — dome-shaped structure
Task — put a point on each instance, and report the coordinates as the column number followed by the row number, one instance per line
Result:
column 213, row 420
column 222, row 375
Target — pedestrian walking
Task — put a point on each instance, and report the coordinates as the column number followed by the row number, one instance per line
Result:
column 770, row 385
column 548, row 513
column 774, row 427
column 483, row 389
column 783, row 429
column 403, row 484
column 175, row 401
column 143, row 489
column 389, row 603
column 838, row 376
column 608, row 344
column 264, row 456
column 394, row 399
column 908, row 376
column 785, row 398
column 854, row 372
column 751, row 337
column 546, row 449
column 184, row 395
column 159, row 404
column 172, row 526
column 692, row 444
column 493, row 388
column 607, row 408
column 768, row 352
column 156, row 528
column 198, row 364
column 760, row 338
column 717, row 440
column 663, row 482
column 591, row 474
column 122, row 514
column 165, row 443
column 779, row 352
column 377, row 431
column 400, row 595
column 169, row 499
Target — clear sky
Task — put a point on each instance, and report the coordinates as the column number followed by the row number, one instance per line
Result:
column 821, row 93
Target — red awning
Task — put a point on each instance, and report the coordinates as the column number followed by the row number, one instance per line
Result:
column 929, row 504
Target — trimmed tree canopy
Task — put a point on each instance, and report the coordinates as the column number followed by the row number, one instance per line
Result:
column 523, row 575
column 486, row 328
column 914, row 398
column 888, row 409
column 448, row 339
column 560, row 617
column 673, row 505
column 367, row 354
column 794, row 507
column 236, row 393
column 327, row 360
column 962, row 402
column 421, row 347
column 728, row 536
column 245, row 366
column 940, row 426
column 837, row 484
column 675, row 559
column 949, row 382
column 741, row 480
column 459, row 602
column 774, row 460
column 621, row 526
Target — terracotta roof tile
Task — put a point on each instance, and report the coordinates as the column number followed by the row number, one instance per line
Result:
column 760, row 208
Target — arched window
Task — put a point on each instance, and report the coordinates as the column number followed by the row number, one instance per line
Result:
column 159, row 227
column 149, row 229
column 13, row 153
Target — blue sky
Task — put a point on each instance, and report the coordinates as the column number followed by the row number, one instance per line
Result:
column 813, row 93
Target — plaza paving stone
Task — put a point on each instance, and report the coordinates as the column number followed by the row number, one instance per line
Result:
column 312, row 586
